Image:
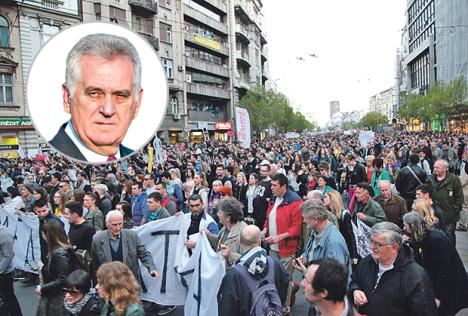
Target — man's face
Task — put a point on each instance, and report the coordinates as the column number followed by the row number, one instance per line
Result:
column 152, row 204
column 385, row 190
column 220, row 172
column 104, row 102
column 362, row 195
column 421, row 196
column 42, row 212
column 439, row 169
column 160, row 189
column 149, row 183
column 264, row 172
column 310, row 222
column 309, row 293
column 114, row 224
column 277, row 189
column 73, row 218
column 381, row 250
column 135, row 190
column 88, row 201
column 65, row 187
column 196, row 207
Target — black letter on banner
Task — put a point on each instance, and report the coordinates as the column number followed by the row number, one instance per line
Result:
column 166, row 234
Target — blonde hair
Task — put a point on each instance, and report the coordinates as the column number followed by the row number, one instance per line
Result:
column 424, row 207
column 116, row 279
column 336, row 202
column 244, row 179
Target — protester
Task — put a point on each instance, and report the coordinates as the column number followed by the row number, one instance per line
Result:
column 78, row 299
column 253, row 268
column 409, row 178
column 81, row 232
column 57, row 267
column 126, row 209
column 119, row 289
column 435, row 253
column 389, row 281
column 94, row 216
column 155, row 210
column 393, row 205
column 368, row 210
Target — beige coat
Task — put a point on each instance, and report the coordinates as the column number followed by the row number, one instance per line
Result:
column 232, row 242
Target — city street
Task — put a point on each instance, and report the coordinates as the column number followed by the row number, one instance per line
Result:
column 28, row 299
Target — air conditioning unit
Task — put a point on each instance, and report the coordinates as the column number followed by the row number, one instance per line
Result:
column 176, row 116
column 188, row 78
column 180, row 68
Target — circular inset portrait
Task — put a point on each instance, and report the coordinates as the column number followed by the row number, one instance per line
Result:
column 97, row 92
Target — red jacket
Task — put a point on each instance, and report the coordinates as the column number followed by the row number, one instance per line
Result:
column 288, row 219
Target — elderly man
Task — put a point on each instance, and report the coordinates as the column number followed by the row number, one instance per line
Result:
column 393, row 205
column 325, row 240
column 389, row 281
column 117, row 244
column 102, row 94
column 325, row 283
column 368, row 210
column 253, row 268
column 447, row 191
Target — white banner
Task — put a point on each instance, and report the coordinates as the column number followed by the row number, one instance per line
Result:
column 243, row 127
column 25, row 232
column 158, row 151
column 363, row 239
column 366, row 137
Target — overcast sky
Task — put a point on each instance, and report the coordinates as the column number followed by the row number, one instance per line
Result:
column 355, row 41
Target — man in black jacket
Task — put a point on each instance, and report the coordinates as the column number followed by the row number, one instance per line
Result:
column 389, row 281
column 409, row 178
column 81, row 232
column 355, row 173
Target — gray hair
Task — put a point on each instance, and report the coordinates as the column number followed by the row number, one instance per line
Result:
column 113, row 213
column 231, row 207
column 390, row 231
column 314, row 209
column 101, row 188
column 385, row 182
column 106, row 46
column 417, row 224
column 315, row 195
column 443, row 162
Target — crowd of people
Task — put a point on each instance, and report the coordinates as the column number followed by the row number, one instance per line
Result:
column 280, row 207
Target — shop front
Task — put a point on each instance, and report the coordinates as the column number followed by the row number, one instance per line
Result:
column 222, row 131
column 17, row 137
column 176, row 136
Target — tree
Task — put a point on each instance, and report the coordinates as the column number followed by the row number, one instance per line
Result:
column 374, row 119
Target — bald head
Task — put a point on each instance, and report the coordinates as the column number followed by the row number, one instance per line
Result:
column 314, row 195
column 251, row 237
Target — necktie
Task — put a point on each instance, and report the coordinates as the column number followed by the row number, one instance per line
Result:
column 111, row 158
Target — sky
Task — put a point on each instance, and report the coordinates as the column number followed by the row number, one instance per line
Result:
column 355, row 43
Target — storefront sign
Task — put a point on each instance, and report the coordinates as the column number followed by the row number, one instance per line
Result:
column 223, row 126
column 9, row 147
column 15, row 123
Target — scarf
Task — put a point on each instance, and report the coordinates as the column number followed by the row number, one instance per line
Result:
column 76, row 308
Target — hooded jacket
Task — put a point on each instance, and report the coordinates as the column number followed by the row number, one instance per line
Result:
column 234, row 298
column 404, row 290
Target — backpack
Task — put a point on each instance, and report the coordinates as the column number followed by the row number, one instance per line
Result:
column 265, row 300
column 81, row 259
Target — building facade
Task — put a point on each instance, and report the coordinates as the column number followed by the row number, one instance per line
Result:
column 383, row 102
column 334, row 108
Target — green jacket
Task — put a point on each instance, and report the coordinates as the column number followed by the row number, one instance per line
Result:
column 449, row 195
column 373, row 211
column 132, row 310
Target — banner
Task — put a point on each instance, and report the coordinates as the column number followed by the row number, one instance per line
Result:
column 150, row 158
column 243, row 127
column 158, row 151
column 366, row 137
column 363, row 239
column 25, row 231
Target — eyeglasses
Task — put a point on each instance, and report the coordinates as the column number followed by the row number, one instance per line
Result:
column 377, row 244
column 70, row 291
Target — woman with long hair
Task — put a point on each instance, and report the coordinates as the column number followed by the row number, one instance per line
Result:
column 119, row 289
column 424, row 207
column 40, row 194
column 126, row 191
column 240, row 190
column 94, row 216
column 60, row 199
column 334, row 203
column 251, row 193
column 189, row 183
column 200, row 187
column 78, row 299
column 15, row 198
column 55, row 270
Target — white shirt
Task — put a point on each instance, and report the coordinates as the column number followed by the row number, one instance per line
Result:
column 272, row 229
column 90, row 155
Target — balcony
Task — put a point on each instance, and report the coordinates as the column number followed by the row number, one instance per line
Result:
column 244, row 8
column 242, row 33
column 216, row 46
column 153, row 40
column 263, row 39
column 243, row 59
column 206, row 116
column 144, row 7
column 194, row 14
column 206, row 66
column 201, row 89
column 218, row 4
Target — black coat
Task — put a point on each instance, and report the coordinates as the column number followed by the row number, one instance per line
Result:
column 240, row 193
column 91, row 308
column 406, row 183
column 441, row 260
column 55, row 271
column 404, row 290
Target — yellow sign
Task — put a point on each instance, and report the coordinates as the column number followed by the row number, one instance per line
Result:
column 150, row 158
column 206, row 42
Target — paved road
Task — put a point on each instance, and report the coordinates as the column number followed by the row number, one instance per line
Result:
column 28, row 299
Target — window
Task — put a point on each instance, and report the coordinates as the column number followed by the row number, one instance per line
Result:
column 4, row 32
column 165, row 3
column 168, row 68
column 174, row 105
column 6, row 88
column 118, row 16
column 165, row 32
column 48, row 31
column 97, row 11
column 137, row 24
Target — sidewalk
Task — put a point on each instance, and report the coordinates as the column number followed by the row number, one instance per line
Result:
column 462, row 247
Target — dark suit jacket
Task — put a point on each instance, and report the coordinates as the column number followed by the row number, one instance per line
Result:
column 63, row 143
column 132, row 249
